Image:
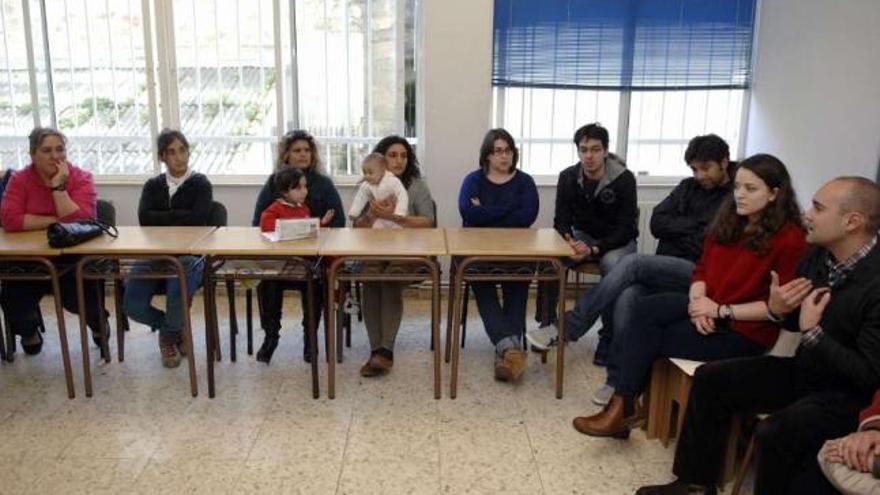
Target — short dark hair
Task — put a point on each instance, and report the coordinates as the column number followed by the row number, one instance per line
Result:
column 708, row 148
column 411, row 172
column 863, row 197
column 287, row 179
column 488, row 147
column 592, row 131
column 36, row 137
column 166, row 137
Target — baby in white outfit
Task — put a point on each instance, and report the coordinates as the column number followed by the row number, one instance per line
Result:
column 379, row 184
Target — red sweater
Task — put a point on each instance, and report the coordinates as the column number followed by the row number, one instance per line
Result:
column 871, row 414
column 281, row 210
column 735, row 274
column 27, row 194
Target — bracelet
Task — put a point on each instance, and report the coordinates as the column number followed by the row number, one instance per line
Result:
column 60, row 188
column 773, row 317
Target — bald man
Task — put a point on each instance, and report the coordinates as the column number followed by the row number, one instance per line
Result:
column 817, row 394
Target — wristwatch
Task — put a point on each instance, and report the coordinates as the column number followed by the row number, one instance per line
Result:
column 60, row 187
column 725, row 312
column 396, row 218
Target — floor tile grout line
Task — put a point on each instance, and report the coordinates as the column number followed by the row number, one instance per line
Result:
column 531, row 445
column 344, row 451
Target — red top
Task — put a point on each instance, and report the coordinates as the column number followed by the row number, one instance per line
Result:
column 735, row 274
column 871, row 414
column 26, row 194
column 281, row 210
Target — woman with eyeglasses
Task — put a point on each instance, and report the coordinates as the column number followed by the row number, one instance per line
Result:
column 500, row 195
column 297, row 149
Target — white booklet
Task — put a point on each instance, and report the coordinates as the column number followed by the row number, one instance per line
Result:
column 293, row 229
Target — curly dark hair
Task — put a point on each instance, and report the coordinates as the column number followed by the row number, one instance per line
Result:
column 411, row 172
column 728, row 227
column 286, row 143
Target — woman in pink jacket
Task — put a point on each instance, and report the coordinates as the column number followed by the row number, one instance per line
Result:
column 50, row 189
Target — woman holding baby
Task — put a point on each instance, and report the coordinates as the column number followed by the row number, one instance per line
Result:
column 383, row 301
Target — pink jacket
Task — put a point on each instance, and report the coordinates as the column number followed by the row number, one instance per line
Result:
column 27, row 194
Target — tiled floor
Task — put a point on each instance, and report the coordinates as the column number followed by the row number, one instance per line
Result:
column 142, row 432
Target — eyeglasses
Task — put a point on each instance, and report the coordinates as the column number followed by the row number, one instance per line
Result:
column 502, row 151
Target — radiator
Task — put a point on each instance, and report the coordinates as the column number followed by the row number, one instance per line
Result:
column 647, row 242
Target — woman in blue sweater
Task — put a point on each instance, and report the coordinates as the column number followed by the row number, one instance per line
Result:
column 499, row 195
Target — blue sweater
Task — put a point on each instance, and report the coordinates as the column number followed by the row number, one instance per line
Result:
column 512, row 204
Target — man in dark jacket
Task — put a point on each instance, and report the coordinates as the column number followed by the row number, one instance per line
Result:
column 596, row 212
column 178, row 197
column 817, row 394
column 679, row 223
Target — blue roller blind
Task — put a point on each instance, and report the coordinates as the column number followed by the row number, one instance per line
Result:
column 623, row 44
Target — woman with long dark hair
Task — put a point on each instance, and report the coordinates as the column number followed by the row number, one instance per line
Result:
column 383, row 301
column 755, row 236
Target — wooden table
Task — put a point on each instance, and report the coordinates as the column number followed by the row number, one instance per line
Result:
column 408, row 249
column 500, row 247
column 248, row 244
column 26, row 256
column 138, row 243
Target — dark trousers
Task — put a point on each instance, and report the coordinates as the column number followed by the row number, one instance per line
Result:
column 665, row 330
column 786, row 442
column 502, row 320
column 21, row 302
column 271, row 296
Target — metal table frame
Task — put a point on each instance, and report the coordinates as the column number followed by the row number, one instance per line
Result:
column 295, row 268
column 406, row 273
column 502, row 269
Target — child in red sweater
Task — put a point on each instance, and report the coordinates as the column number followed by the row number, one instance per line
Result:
column 290, row 186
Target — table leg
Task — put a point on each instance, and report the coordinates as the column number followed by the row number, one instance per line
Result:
column 312, row 333
column 187, row 324
column 331, row 328
column 435, row 325
column 560, row 348
column 83, row 330
column 456, row 316
column 62, row 330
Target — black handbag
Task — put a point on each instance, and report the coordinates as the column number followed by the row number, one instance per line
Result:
column 62, row 235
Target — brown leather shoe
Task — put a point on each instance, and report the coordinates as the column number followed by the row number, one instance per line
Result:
column 612, row 421
column 510, row 367
column 381, row 362
column 369, row 371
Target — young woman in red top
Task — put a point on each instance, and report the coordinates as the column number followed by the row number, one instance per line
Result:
column 756, row 232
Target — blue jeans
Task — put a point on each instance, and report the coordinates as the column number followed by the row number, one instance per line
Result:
column 550, row 290
column 664, row 329
column 634, row 277
column 139, row 293
column 504, row 323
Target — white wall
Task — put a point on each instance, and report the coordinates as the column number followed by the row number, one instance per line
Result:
column 816, row 96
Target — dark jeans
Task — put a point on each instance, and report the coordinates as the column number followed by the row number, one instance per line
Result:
column 271, row 296
column 139, row 292
column 502, row 320
column 664, row 330
column 21, row 302
column 786, row 442
column 548, row 292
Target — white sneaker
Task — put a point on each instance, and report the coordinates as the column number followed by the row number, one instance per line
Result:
column 602, row 395
column 543, row 338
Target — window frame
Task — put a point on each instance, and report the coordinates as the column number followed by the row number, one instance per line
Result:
column 162, row 83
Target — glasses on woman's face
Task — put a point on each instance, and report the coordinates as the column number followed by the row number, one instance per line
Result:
column 502, row 151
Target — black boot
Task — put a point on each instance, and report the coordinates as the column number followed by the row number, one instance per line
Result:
column 270, row 342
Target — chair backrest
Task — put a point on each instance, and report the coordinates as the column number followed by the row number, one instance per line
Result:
column 218, row 216
column 434, row 211
column 106, row 212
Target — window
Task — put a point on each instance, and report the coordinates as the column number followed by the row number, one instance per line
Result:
column 234, row 75
column 655, row 73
